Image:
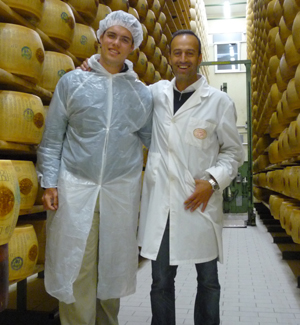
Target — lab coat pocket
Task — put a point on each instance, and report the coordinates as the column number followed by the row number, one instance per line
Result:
column 199, row 133
column 153, row 161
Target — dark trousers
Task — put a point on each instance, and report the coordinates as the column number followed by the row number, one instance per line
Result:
column 162, row 294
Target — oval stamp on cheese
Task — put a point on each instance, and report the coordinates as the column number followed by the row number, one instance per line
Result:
column 200, row 134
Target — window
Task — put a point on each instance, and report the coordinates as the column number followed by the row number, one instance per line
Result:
column 227, row 52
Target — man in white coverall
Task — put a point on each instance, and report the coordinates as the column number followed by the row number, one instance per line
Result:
column 195, row 153
column 90, row 162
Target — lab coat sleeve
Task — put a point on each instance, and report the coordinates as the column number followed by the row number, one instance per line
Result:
column 145, row 132
column 50, row 148
column 231, row 152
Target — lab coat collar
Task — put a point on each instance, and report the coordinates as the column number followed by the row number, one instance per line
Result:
column 95, row 65
column 200, row 87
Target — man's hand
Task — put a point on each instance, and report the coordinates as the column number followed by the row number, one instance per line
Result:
column 84, row 66
column 50, row 199
column 203, row 192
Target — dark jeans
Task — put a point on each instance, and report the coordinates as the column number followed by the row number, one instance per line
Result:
column 207, row 300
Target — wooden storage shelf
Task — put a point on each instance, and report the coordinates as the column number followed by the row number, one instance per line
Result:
column 8, row 15
column 16, row 150
column 290, row 250
column 38, row 268
column 9, row 81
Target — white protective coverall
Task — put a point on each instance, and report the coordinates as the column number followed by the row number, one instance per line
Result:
column 200, row 139
column 92, row 149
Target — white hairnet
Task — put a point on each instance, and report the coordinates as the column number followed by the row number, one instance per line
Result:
column 126, row 20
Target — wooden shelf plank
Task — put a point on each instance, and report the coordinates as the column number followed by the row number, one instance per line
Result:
column 8, row 80
column 38, row 268
column 6, row 147
column 34, row 209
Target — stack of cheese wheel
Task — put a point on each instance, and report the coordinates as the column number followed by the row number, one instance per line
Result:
column 285, row 211
column 23, row 252
column 84, row 43
column 28, row 182
column 21, row 51
column 58, row 22
column 87, row 9
column 39, row 226
column 22, row 117
column 55, row 66
column 32, row 10
column 10, row 200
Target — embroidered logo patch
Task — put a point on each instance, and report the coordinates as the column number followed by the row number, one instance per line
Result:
column 200, row 134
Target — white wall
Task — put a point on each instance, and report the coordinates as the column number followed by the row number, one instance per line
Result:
column 236, row 82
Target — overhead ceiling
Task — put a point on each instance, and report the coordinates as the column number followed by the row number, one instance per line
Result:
column 215, row 9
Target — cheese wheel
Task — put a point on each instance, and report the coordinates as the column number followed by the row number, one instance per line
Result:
column 275, row 202
column 169, row 74
column 279, row 46
column 285, row 211
column 21, row 51
column 145, row 36
column 134, row 13
column 149, row 48
column 156, row 8
column 162, row 20
column 157, row 33
column 296, row 32
column 295, row 226
column 84, row 43
column 141, row 65
column 263, row 143
column 22, row 117
column 55, row 66
column 281, row 84
column 149, row 75
column 163, row 66
column 28, row 182
column 292, row 97
column 23, row 252
column 286, row 72
column 32, row 10
column 163, row 44
column 291, row 55
column 40, row 231
column 262, row 179
column 284, row 32
column 297, row 80
column 156, row 59
column 273, row 153
column 102, row 12
column 270, row 13
column 58, row 22
column 117, row 4
column 277, row 11
column 290, row 10
column 142, row 8
column 157, row 77
column 9, row 200
column 87, row 9
column 134, row 56
column 150, row 21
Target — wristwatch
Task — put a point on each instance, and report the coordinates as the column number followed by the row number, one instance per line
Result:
column 214, row 184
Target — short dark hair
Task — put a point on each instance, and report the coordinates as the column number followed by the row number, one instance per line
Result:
column 183, row 32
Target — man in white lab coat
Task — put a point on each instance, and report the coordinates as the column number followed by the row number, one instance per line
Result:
column 195, row 153
column 90, row 162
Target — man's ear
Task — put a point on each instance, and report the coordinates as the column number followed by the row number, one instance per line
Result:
column 200, row 59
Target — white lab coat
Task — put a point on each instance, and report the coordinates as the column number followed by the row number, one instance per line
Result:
column 200, row 139
column 92, row 149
